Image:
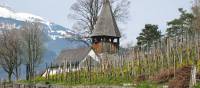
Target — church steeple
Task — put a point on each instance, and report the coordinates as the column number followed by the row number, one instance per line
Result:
column 106, row 24
column 106, row 34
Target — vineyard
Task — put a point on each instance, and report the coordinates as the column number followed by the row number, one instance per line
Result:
column 93, row 54
column 158, row 62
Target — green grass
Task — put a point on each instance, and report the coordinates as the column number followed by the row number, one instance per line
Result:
column 198, row 85
column 101, row 81
column 83, row 79
column 113, row 77
column 149, row 84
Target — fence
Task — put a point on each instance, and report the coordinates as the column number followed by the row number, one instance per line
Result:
column 13, row 85
column 3, row 85
column 112, row 70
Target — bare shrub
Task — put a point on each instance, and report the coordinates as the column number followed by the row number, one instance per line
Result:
column 182, row 78
column 163, row 76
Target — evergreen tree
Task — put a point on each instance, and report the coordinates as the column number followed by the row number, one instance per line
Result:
column 181, row 25
column 149, row 34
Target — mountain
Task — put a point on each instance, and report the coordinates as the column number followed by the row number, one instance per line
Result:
column 58, row 37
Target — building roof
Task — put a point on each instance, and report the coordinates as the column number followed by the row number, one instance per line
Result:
column 72, row 55
column 106, row 24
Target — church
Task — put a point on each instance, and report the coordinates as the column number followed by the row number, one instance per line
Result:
column 105, row 40
column 105, row 43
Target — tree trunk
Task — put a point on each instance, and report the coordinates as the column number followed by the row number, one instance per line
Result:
column 27, row 72
column 17, row 73
column 9, row 77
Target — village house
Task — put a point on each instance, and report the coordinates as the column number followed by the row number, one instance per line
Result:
column 74, row 60
column 78, row 58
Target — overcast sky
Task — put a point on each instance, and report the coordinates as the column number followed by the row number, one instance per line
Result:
column 141, row 12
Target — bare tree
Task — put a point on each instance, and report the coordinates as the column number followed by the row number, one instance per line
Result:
column 32, row 38
column 196, row 33
column 196, row 13
column 10, row 52
column 85, row 12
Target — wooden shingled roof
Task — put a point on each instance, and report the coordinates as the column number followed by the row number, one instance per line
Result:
column 106, row 24
column 72, row 55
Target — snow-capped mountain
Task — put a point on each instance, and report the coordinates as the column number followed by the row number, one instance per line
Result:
column 8, row 13
column 58, row 37
column 54, row 30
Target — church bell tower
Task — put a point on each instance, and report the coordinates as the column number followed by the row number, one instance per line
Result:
column 106, row 35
